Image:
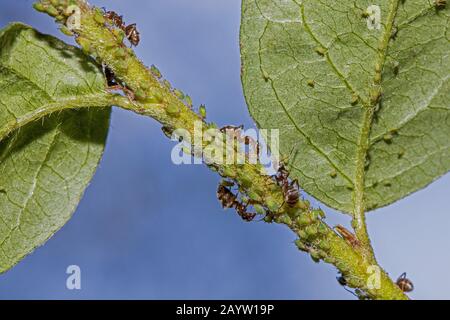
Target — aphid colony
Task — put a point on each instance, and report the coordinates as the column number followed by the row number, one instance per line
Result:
column 132, row 35
column 130, row 31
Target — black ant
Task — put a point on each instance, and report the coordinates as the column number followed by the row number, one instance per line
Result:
column 113, row 84
column 115, row 18
column 132, row 34
column 245, row 215
column 249, row 141
column 131, row 31
column 110, row 77
column 229, row 200
column 404, row 283
column 290, row 189
column 231, row 128
column 226, row 197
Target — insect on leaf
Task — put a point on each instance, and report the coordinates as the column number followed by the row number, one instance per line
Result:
column 360, row 93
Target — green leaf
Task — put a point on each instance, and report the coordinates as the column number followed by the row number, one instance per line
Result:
column 45, row 163
column 315, row 70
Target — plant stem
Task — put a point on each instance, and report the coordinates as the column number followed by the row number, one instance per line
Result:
column 155, row 99
column 359, row 220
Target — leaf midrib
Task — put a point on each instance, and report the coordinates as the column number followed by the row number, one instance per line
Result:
column 368, row 106
column 364, row 139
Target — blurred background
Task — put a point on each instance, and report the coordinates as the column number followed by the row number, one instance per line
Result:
column 147, row 229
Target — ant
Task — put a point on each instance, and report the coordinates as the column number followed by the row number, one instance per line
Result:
column 132, row 34
column 249, row 141
column 229, row 200
column 231, row 128
column 131, row 31
column 347, row 235
column 245, row 215
column 290, row 189
column 110, row 77
column 404, row 283
column 113, row 84
column 115, row 18
column 226, row 197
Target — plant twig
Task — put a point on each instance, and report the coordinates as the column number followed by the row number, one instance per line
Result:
column 149, row 96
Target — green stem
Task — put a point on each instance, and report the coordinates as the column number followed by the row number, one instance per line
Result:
column 359, row 220
column 156, row 100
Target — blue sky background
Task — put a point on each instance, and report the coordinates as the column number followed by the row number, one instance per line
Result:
column 147, row 229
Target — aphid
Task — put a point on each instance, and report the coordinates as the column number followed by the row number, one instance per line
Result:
column 99, row 16
column 173, row 110
column 52, row 11
column 85, row 44
column 132, row 34
column 178, row 93
column 264, row 74
column 155, row 71
column 188, row 101
column 167, row 84
column 119, row 53
column 347, row 235
column 404, row 283
column 375, row 96
column 355, row 99
column 388, row 138
column 377, row 78
column 396, row 68
column 66, row 31
column 202, row 111
column 321, row 51
column 39, row 7
column 140, row 94
column 311, row 83
column 394, row 33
